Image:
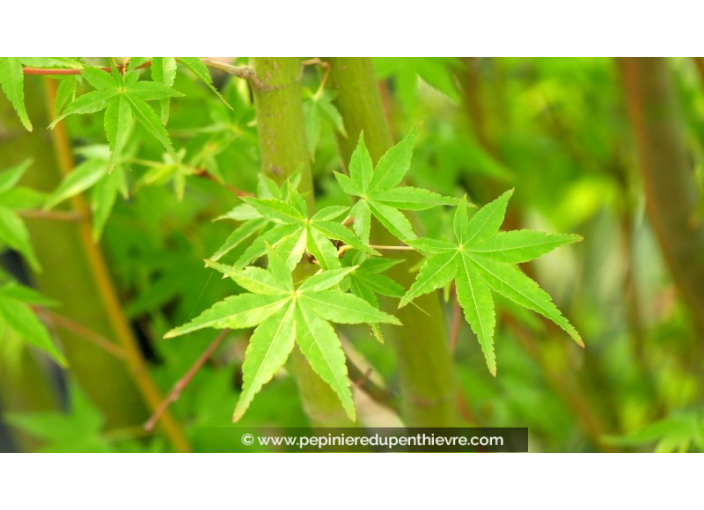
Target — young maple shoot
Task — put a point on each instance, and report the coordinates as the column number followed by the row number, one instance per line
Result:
column 123, row 97
column 379, row 192
column 285, row 315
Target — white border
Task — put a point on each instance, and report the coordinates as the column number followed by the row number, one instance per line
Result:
column 332, row 481
column 440, row 27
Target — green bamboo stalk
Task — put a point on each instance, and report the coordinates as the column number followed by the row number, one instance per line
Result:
column 421, row 344
column 76, row 275
column 672, row 194
column 278, row 104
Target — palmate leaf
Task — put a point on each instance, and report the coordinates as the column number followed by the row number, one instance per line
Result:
column 123, row 97
column 480, row 261
column 285, row 316
column 379, row 191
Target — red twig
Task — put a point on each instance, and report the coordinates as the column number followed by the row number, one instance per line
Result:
column 184, row 381
column 201, row 172
column 63, row 72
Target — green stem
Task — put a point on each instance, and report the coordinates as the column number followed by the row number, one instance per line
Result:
column 421, row 344
column 278, row 104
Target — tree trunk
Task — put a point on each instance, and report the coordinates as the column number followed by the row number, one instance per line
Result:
column 672, row 193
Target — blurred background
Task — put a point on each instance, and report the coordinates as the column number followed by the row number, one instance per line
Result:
column 611, row 149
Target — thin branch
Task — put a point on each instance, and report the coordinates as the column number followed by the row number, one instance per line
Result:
column 64, row 72
column 202, row 172
column 244, row 72
column 51, row 215
column 79, row 330
column 184, row 381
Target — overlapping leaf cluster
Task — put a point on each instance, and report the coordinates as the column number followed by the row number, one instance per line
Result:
column 285, row 314
column 284, row 303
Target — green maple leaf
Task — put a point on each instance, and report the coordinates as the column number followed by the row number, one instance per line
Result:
column 284, row 316
column 123, row 98
column 17, row 315
column 482, row 260
column 379, row 191
column 13, row 231
column 296, row 233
